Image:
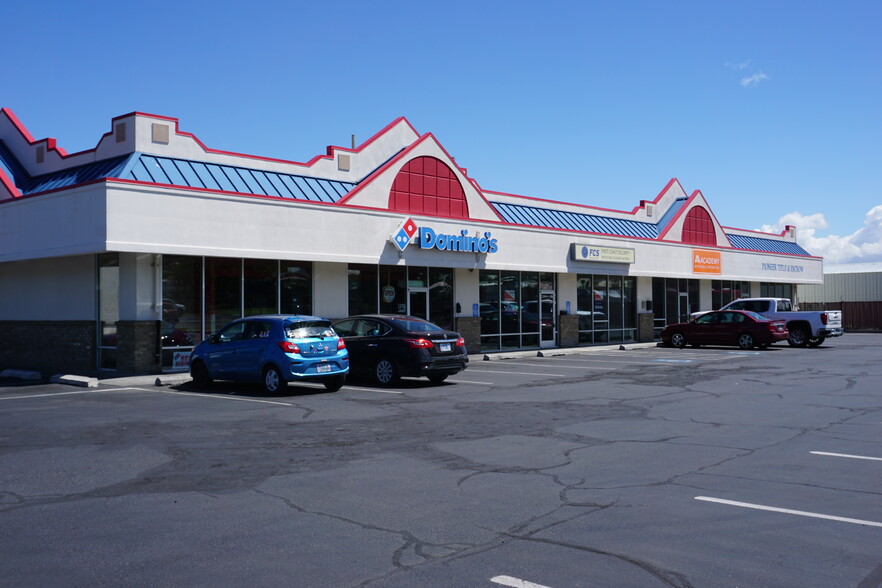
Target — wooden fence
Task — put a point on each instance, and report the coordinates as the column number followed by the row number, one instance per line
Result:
column 856, row 316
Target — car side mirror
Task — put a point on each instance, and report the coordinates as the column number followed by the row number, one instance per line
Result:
column 214, row 339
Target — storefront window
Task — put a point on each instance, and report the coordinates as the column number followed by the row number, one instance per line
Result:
column 417, row 290
column 489, row 308
column 181, row 308
column 393, row 289
column 771, row 290
column 108, row 309
column 441, row 297
column 363, row 289
column 673, row 300
column 295, row 287
column 607, row 308
column 223, row 291
column 260, row 286
column 725, row 291
column 510, row 307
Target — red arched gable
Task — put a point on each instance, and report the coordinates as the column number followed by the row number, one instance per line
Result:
column 698, row 228
column 427, row 185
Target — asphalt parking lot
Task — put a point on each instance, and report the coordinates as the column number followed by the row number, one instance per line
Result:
column 646, row 466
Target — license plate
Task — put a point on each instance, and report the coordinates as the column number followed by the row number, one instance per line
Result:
column 445, row 347
column 325, row 367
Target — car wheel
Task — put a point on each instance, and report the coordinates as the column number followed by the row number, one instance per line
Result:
column 678, row 339
column 334, row 383
column 437, row 378
column 745, row 341
column 816, row 341
column 201, row 377
column 272, row 380
column 385, row 372
column 798, row 337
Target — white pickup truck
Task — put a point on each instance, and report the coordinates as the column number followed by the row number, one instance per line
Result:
column 807, row 327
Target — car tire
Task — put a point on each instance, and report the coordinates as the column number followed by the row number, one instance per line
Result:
column 437, row 378
column 200, row 375
column 272, row 380
column 678, row 340
column 746, row 341
column 334, row 383
column 385, row 372
column 816, row 341
column 798, row 337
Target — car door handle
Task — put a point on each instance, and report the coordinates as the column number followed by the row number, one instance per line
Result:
column 371, row 344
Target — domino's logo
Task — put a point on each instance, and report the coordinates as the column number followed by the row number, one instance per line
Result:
column 403, row 234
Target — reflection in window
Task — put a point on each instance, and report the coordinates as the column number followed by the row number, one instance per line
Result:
column 393, row 289
column 295, row 287
column 108, row 308
column 261, row 286
column 607, row 308
column 223, row 289
column 363, row 289
column 672, row 301
column 510, row 309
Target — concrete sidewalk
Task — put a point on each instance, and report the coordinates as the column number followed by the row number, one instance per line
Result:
column 172, row 379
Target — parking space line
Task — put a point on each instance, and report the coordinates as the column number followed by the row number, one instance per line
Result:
column 515, row 582
column 49, row 394
column 801, row 513
column 380, row 390
column 539, row 364
column 591, row 360
column 215, row 396
column 470, row 382
column 845, row 455
column 483, row 371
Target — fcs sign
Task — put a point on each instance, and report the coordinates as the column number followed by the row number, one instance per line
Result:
column 430, row 239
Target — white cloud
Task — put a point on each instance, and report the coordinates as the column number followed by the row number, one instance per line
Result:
column 754, row 79
column 738, row 66
column 863, row 245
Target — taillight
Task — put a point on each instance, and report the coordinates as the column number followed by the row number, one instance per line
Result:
column 341, row 344
column 289, row 347
column 824, row 317
column 460, row 342
column 419, row 343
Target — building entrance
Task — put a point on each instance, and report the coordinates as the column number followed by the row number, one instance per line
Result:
column 418, row 303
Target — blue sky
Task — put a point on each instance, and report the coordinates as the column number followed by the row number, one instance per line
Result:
column 772, row 109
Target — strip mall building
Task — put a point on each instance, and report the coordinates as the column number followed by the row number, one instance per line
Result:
column 124, row 256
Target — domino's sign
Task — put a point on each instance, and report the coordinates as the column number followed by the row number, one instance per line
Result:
column 431, row 239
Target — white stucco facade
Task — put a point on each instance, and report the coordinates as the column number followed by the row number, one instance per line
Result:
column 53, row 228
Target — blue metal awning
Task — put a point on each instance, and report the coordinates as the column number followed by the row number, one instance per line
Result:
column 575, row 221
column 180, row 172
column 769, row 245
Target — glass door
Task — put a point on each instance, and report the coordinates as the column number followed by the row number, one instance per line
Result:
column 418, row 302
column 546, row 318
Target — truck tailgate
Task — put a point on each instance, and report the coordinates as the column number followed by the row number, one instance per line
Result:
column 834, row 319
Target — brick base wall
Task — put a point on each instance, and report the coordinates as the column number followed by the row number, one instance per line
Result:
column 137, row 348
column 470, row 329
column 48, row 347
column 568, row 330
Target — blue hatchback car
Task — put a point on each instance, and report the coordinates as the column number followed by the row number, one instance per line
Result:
column 274, row 350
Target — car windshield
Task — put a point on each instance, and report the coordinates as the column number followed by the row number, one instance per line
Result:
column 416, row 325
column 305, row 329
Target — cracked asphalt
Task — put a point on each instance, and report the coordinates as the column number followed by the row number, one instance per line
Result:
column 576, row 469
